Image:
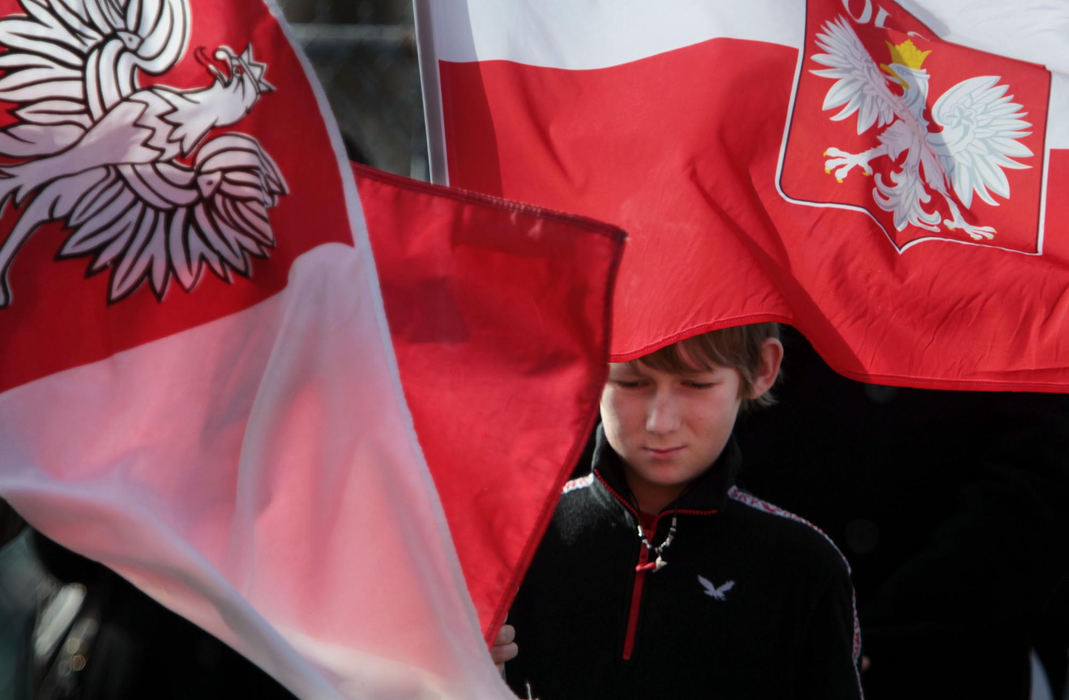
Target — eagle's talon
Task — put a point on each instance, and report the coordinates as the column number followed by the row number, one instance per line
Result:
column 977, row 233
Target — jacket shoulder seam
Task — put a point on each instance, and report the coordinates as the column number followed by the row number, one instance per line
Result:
column 580, row 483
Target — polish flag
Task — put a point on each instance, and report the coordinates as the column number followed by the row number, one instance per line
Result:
column 198, row 383
column 884, row 176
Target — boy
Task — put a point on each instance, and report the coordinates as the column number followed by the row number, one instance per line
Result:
column 657, row 578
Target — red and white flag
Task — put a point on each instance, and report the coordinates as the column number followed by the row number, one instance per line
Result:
column 884, row 176
column 198, row 386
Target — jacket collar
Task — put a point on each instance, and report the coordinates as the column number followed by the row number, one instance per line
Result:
column 707, row 494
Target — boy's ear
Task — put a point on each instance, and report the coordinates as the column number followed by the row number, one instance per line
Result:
column 768, row 370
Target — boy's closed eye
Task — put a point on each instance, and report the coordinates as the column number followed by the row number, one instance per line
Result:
column 641, row 382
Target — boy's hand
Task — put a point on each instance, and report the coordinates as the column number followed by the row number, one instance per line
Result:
column 504, row 648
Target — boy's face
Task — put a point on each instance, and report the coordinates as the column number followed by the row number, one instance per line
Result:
column 668, row 427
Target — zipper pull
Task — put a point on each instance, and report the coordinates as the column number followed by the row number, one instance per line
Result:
column 652, row 566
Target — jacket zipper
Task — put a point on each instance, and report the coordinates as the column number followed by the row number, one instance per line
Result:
column 641, row 569
column 636, row 601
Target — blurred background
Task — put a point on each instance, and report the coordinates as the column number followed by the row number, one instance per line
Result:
column 364, row 52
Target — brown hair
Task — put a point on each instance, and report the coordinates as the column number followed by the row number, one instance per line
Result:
column 737, row 347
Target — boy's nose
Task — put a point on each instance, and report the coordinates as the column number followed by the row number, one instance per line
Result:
column 662, row 417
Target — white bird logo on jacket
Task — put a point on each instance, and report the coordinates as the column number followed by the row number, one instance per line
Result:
column 714, row 591
column 105, row 156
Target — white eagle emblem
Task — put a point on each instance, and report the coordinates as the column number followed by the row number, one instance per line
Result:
column 978, row 134
column 110, row 159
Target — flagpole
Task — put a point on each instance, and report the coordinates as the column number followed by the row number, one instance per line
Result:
column 432, row 92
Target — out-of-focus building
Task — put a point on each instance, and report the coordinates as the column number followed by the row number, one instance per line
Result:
column 364, row 52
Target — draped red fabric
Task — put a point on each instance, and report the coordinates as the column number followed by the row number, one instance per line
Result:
column 499, row 315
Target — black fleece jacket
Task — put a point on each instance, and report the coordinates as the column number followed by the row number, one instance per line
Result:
column 753, row 602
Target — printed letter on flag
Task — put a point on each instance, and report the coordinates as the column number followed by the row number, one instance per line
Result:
column 198, row 386
column 884, row 176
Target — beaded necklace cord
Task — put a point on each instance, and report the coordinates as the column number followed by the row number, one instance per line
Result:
column 659, row 563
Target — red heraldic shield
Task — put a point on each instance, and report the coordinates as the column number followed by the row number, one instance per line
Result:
column 933, row 141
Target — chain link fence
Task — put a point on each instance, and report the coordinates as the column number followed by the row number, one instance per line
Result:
column 364, row 53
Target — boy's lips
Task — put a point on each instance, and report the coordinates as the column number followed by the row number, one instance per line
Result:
column 663, row 452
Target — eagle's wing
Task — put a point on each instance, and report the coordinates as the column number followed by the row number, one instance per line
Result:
column 149, row 222
column 151, row 38
column 43, row 73
column 981, row 134
column 859, row 85
column 66, row 62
